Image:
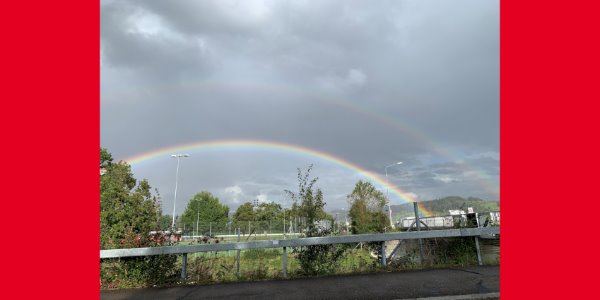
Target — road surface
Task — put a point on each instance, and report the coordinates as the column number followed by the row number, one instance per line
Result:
column 479, row 280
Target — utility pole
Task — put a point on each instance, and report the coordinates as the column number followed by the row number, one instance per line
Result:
column 178, row 156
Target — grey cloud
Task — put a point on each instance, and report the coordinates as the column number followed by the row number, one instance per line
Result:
column 200, row 18
column 370, row 83
column 160, row 56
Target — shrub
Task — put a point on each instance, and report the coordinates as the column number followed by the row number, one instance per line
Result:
column 145, row 271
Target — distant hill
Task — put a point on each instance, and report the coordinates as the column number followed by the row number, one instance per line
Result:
column 440, row 207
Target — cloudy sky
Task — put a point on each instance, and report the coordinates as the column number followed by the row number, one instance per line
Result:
column 368, row 83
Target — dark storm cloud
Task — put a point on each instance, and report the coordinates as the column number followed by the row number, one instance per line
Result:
column 163, row 57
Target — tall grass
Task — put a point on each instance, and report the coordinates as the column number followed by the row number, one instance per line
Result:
column 267, row 264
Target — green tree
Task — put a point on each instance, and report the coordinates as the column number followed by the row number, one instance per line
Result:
column 165, row 221
column 268, row 211
column 308, row 202
column 129, row 210
column 126, row 206
column 244, row 213
column 261, row 216
column 205, row 208
column 366, row 209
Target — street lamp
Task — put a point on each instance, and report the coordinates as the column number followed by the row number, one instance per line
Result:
column 198, row 219
column 388, row 190
column 346, row 220
column 284, row 236
column 178, row 156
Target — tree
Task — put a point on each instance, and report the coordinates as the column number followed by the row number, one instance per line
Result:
column 366, row 209
column 260, row 216
column 205, row 208
column 268, row 211
column 164, row 222
column 126, row 206
column 129, row 210
column 309, row 203
column 244, row 213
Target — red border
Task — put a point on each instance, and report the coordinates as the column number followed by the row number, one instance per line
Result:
column 549, row 63
column 50, row 127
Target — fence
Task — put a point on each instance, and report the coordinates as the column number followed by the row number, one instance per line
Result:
column 480, row 219
column 285, row 244
column 275, row 226
column 297, row 225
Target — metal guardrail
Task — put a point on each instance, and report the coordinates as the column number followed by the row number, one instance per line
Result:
column 344, row 239
column 381, row 237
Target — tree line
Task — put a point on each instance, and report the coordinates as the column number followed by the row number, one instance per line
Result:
column 130, row 207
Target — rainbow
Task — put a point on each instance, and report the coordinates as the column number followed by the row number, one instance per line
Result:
column 364, row 111
column 275, row 146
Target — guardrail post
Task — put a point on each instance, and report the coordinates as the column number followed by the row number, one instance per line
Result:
column 183, row 266
column 383, row 262
column 238, row 254
column 284, row 261
column 416, row 208
column 478, row 250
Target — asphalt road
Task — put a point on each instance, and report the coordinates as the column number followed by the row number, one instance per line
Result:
column 394, row 285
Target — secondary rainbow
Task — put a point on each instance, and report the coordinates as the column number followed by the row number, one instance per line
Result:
column 274, row 146
column 288, row 90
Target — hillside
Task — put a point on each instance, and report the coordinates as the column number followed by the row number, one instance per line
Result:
column 440, row 207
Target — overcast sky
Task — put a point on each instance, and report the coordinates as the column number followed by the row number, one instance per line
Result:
column 368, row 82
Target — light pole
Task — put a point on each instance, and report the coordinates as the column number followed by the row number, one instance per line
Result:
column 198, row 219
column 388, row 190
column 336, row 222
column 345, row 216
column 284, row 236
column 178, row 156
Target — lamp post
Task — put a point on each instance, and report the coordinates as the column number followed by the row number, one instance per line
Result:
column 198, row 219
column 178, row 156
column 388, row 190
column 284, row 236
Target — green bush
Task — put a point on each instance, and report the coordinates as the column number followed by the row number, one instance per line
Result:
column 205, row 269
column 145, row 271
column 456, row 251
column 261, row 254
column 319, row 259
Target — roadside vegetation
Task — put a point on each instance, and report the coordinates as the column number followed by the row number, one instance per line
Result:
column 131, row 216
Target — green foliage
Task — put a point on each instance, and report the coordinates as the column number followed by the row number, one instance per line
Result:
column 319, row 259
column 164, row 222
column 204, row 207
column 128, row 212
column 262, row 254
column 143, row 271
column 125, row 205
column 308, row 203
column 456, row 251
column 204, row 269
column 263, row 212
column 366, row 209
column 244, row 213
column 269, row 212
